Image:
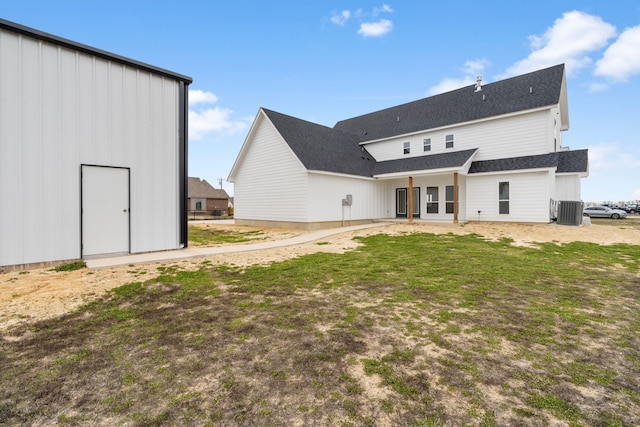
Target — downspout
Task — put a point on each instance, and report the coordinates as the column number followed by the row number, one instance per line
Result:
column 183, row 160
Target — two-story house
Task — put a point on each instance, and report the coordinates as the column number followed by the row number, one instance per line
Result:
column 483, row 152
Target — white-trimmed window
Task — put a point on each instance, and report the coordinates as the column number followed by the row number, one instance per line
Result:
column 432, row 200
column 503, row 198
column 448, row 199
column 448, row 141
column 406, row 147
column 426, row 144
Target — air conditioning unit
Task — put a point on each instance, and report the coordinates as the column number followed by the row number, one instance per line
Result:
column 570, row 212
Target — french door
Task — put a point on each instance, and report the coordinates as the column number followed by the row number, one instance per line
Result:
column 402, row 202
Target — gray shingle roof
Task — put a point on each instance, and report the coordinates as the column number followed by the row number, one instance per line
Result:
column 454, row 159
column 528, row 91
column 573, row 161
column 564, row 161
column 338, row 149
column 323, row 148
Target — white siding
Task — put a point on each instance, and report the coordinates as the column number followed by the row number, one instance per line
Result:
column 270, row 183
column 511, row 136
column 440, row 181
column 327, row 191
column 567, row 187
column 529, row 196
column 555, row 123
column 59, row 109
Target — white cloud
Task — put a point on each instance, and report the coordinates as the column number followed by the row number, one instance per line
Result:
column 449, row 84
column 611, row 157
column 608, row 162
column 622, row 58
column 198, row 96
column 471, row 70
column 340, row 18
column 213, row 120
column 598, row 87
column 368, row 26
column 375, row 29
column 384, row 9
column 571, row 38
column 203, row 121
column 475, row 67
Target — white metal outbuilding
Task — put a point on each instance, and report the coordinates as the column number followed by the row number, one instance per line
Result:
column 93, row 151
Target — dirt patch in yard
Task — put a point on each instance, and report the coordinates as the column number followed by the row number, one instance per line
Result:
column 26, row 296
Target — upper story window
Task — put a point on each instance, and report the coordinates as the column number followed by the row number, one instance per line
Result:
column 407, row 147
column 426, row 144
column 448, row 141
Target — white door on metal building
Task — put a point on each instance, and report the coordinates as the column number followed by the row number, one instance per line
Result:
column 105, row 210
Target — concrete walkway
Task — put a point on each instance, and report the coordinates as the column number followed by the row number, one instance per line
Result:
column 203, row 252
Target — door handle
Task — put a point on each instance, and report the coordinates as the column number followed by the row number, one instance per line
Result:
column 124, row 210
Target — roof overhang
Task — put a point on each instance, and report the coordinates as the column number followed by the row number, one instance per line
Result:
column 551, row 169
column 257, row 121
column 564, row 105
column 423, row 172
column 584, row 174
column 341, row 175
column 432, row 164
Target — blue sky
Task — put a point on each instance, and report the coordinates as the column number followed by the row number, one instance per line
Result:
column 325, row 61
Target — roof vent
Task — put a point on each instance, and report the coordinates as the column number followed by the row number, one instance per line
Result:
column 530, row 89
column 398, row 119
column 478, row 83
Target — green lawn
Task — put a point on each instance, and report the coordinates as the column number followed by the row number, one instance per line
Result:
column 206, row 236
column 411, row 330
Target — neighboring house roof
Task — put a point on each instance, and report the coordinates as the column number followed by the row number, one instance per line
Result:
column 322, row 148
column 201, row 189
column 526, row 92
column 563, row 161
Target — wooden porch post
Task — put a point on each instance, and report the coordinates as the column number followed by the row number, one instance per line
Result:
column 455, row 197
column 410, row 213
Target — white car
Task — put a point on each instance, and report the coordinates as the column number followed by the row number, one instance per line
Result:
column 604, row 212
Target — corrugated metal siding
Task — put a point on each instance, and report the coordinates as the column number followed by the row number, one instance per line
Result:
column 60, row 108
column 271, row 183
column 528, row 196
column 521, row 135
